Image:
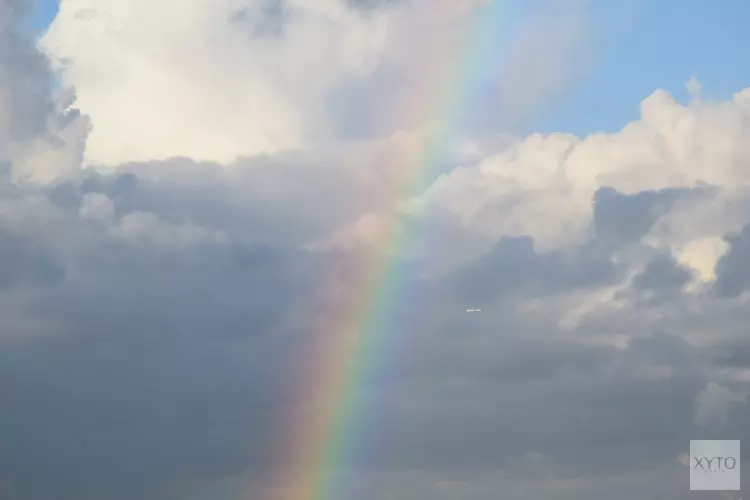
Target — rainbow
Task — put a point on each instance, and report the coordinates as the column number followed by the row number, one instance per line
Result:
column 328, row 422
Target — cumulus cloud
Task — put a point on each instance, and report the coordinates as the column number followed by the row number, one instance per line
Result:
column 155, row 315
column 221, row 80
column 543, row 186
column 38, row 135
column 241, row 77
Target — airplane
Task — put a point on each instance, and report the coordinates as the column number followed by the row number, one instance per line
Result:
column 473, row 310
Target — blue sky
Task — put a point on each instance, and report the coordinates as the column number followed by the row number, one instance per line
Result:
column 44, row 14
column 663, row 45
column 655, row 44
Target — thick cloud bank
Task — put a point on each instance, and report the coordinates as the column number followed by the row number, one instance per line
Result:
column 154, row 313
column 231, row 78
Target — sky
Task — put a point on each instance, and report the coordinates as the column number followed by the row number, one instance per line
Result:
column 663, row 46
column 207, row 219
column 44, row 12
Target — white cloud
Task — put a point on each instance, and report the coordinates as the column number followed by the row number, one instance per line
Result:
column 543, row 185
column 231, row 78
column 201, row 84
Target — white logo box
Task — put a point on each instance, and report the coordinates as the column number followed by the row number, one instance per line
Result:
column 715, row 465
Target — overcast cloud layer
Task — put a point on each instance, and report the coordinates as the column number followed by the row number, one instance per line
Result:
column 154, row 310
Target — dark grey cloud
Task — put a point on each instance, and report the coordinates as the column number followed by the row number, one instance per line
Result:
column 620, row 218
column 24, row 77
column 733, row 269
column 513, row 267
column 661, row 280
column 23, row 261
column 172, row 348
column 126, row 417
column 367, row 5
column 159, row 364
column 663, row 272
column 266, row 19
column 477, row 410
column 271, row 18
column 254, row 195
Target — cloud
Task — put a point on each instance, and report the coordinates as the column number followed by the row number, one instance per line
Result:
column 712, row 406
column 662, row 271
column 155, row 315
column 25, row 100
column 21, row 262
column 733, row 277
column 237, row 78
column 226, row 79
column 37, row 135
column 543, row 185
